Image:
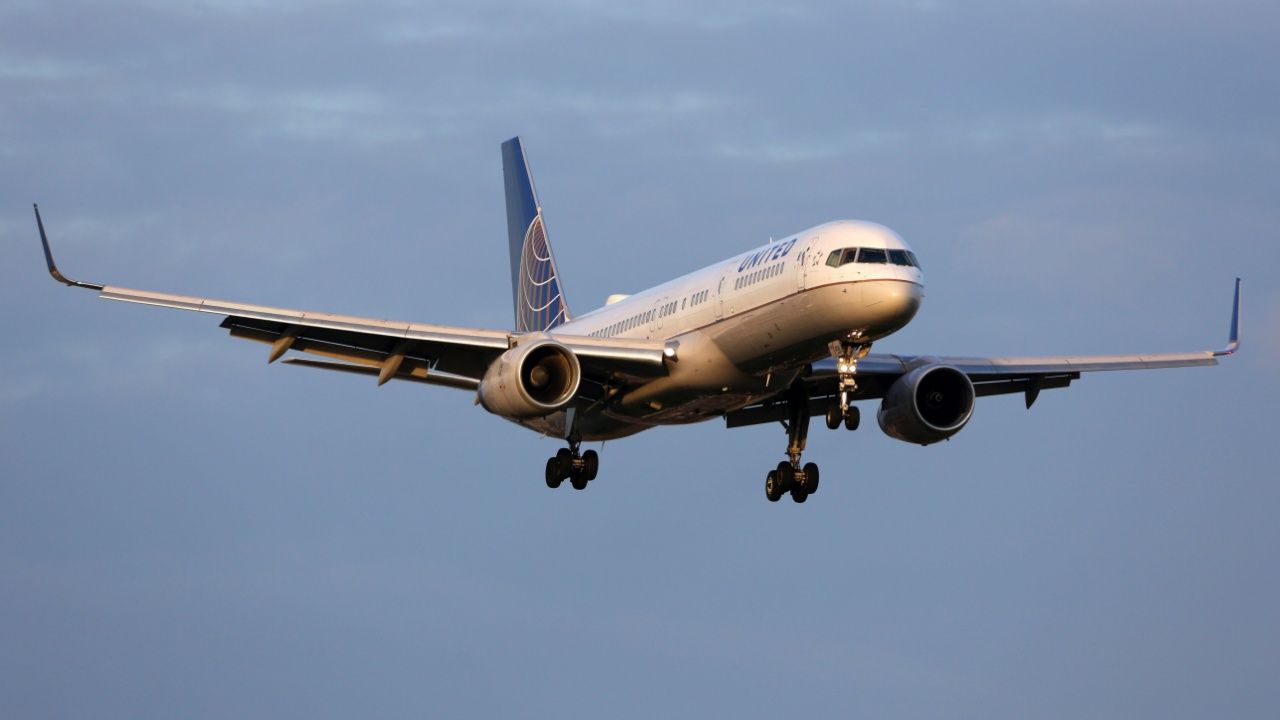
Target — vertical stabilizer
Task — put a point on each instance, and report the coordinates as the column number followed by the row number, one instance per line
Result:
column 535, row 282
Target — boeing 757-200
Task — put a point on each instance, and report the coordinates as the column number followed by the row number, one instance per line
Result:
column 780, row 333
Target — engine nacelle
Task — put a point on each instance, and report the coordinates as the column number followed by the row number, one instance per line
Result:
column 533, row 379
column 928, row 404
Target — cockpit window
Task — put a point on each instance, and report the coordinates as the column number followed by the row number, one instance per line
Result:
column 842, row 257
column 900, row 257
column 872, row 255
column 914, row 261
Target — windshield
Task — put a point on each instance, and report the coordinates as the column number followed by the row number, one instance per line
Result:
column 872, row 255
column 878, row 256
column 900, row 257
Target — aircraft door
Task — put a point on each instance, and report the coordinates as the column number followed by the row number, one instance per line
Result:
column 806, row 262
column 719, row 304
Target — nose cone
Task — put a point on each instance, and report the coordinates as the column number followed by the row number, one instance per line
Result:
column 890, row 304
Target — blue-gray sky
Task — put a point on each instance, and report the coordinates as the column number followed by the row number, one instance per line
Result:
column 185, row 531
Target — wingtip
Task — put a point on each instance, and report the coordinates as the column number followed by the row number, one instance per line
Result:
column 48, row 257
column 44, row 242
column 1233, row 338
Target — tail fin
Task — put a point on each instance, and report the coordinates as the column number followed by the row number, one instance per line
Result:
column 535, row 283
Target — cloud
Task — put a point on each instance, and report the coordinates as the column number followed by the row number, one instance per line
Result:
column 17, row 389
column 43, row 68
column 380, row 118
column 612, row 113
column 408, row 32
column 796, row 150
column 240, row 7
column 1089, row 239
column 1058, row 128
column 122, row 365
column 359, row 116
column 985, row 134
column 716, row 15
column 1265, row 330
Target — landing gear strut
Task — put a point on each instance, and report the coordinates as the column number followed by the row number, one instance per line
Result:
column 847, row 353
column 568, row 464
column 790, row 476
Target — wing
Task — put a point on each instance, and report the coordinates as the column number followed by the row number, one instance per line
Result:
column 990, row 376
column 433, row 354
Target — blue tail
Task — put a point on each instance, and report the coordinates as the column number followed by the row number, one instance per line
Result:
column 535, row 283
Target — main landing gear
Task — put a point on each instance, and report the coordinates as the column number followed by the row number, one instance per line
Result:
column 579, row 468
column 791, row 476
column 568, row 464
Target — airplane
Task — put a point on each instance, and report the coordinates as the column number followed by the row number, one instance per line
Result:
column 780, row 333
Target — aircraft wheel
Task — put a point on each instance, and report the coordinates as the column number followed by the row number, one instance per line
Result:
column 772, row 488
column 833, row 416
column 590, row 465
column 554, row 477
column 799, row 495
column 565, row 457
column 852, row 419
column 810, row 478
column 578, row 481
column 786, row 476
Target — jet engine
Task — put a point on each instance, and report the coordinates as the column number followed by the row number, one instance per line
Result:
column 533, row 379
column 928, row 404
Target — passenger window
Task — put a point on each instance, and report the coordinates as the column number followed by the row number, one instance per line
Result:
column 872, row 255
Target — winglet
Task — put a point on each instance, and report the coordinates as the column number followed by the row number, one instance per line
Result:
column 1233, row 342
column 48, row 258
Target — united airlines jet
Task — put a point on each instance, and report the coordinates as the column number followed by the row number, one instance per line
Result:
column 779, row 333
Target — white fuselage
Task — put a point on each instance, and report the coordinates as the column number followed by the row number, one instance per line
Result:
column 745, row 327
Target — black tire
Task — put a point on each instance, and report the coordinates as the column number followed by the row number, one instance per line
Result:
column 852, row 420
column 810, row 478
column 833, row 416
column 771, row 489
column 578, row 481
column 590, row 465
column 799, row 495
column 786, row 476
column 565, row 456
column 554, row 478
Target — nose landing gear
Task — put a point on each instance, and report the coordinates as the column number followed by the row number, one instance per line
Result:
column 850, row 416
column 847, row 353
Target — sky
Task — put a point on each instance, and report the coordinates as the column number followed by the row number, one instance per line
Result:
column 187, row 531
